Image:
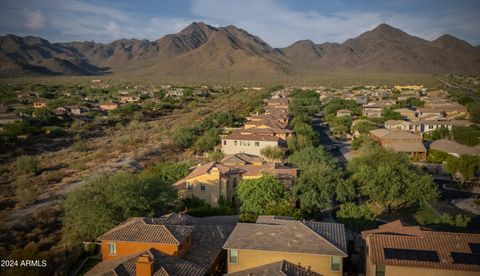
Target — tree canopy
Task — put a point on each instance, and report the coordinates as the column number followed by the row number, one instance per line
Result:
column 106, row 200
column 260, row 196
column 319, row 176
column 391, row 180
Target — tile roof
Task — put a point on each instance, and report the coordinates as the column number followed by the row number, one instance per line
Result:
column 287, row 235
column 148, row 230
column 448, row 146
column 282, row 268
column 445, row 245
column 384, row 133
column 406, row 147
column 242, row 159
column 163, row 265
column 237, row 135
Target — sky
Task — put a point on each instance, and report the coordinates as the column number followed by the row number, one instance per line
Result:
column 278, row 22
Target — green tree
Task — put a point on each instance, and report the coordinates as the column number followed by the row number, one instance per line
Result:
column 391, row 180
column 389, row 114
column 272, row 153
column 314, row 189
column 356, row 217
column 185, row 137
column 452, row 223
column 207, row 141
column 469, row 136
column 106, row 200
column 338, row 103
column 258, row 196
column 474, row 112
column 26, row 164
column 364, row 127
column 463, row 168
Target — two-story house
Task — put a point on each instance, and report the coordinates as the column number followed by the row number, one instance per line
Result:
column 174, row 244
column 314, row 246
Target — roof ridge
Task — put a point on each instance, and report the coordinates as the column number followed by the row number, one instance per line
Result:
column 322, row 237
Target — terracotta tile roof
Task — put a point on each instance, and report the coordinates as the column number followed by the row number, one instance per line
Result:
column 147, row 230
column 401, row 245
column 406, row 147
column 207, row 168
column 286, row 235
column 162, row 265
column 236, row 135
column 384, row 133
column 282, row 268
column 242, row 159
column 448, row 146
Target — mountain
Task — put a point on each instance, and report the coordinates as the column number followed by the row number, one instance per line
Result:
column 388, row 49
column 36, row 56
column 203, row 52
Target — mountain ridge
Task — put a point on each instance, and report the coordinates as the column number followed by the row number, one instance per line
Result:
column 203, row 51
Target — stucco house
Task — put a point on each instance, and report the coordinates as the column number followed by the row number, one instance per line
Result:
column 174, row 244
column 314, row 246
column 396, row 249
column 400, row 141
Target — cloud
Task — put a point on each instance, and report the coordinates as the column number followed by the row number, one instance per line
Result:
column 34, row 20
column 280, row 25
column 276, row 22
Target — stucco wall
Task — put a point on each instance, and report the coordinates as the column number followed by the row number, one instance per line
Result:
column 127, row 248
column 228, row 146
column 253, row 258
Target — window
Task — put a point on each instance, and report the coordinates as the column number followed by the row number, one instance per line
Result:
column 224, row 142
column 180, row 248
column 202, row 186
column 233, row 256
column 234, row 184
column 380, row 270
column 189, row 186
column 257, row 144
column 336, row 263
column 234, row 143
column 112, row 248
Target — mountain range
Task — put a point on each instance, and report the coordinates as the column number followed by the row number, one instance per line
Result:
column 201, row 51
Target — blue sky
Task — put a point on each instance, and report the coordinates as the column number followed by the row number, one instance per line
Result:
column 278, row 22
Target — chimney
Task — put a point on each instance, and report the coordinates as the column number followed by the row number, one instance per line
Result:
column 144, row 265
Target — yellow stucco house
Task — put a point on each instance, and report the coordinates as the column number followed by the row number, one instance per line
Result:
column 272, row 241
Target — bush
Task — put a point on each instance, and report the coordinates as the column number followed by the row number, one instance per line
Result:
column 25, row 192
column 272, row 153
column 80, row 146
column 185, row 137
column 207, row 141
column 26, row 164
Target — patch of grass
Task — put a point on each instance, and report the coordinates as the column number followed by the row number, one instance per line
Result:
column 426, row 216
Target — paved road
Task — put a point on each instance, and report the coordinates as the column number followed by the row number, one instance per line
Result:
column 444, row 206
column 333, row 147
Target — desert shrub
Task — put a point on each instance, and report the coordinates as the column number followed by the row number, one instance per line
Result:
column 80, row 146
column 26, row 164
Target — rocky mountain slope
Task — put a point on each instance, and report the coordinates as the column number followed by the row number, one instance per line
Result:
column 201, row 51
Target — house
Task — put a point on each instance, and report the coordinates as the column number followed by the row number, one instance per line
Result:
column 76, row 110
column 427, row 126
column 318, row 246
column 398, row 124
column 40, row 103
column 454, row 148
column 218, row 180
column 278, row 103
column 175, row 93
column 449, row 110
column 129, row 99
column 344, row 112
column 251, row 143
column 109, row 106
column 281, row 268
column 396, row 248
column 372, row 110
column 174, row 244
column 400, row 141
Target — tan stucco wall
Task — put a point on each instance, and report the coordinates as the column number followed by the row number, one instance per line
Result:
column 416, row 271
column 253, row 258
column 215, row 187
column 230, row 148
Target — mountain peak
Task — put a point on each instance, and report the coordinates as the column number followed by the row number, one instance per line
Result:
column 197, row 27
